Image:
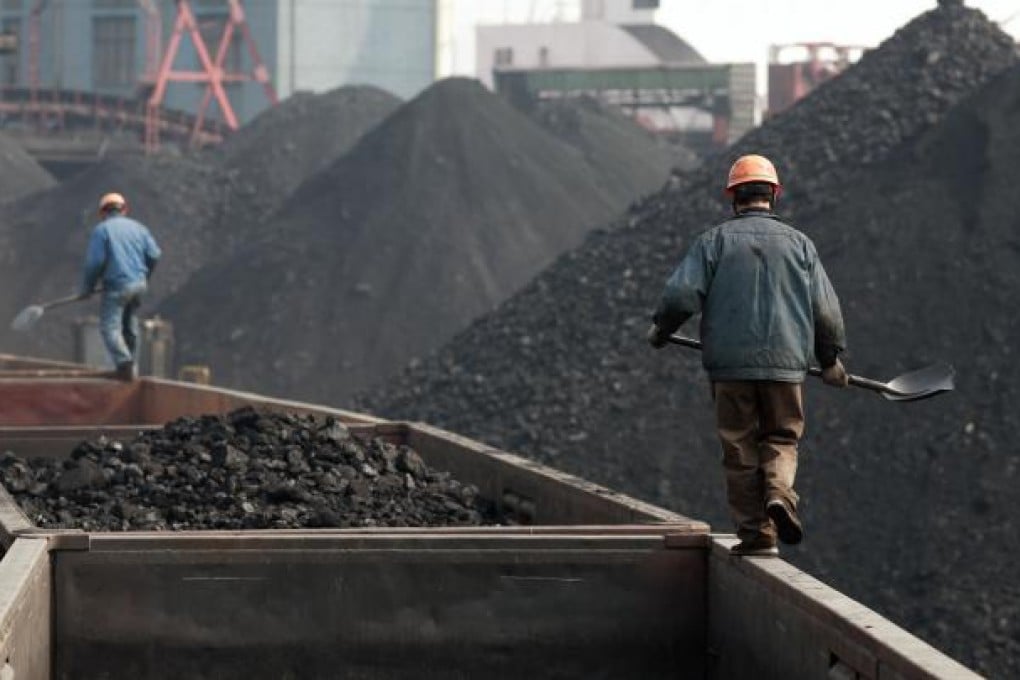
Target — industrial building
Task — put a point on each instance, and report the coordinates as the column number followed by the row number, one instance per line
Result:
column 114, row 47
column 617, row 52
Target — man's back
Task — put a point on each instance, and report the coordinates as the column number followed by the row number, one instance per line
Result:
column 764, row 297
column 757, row 321
column 127, row 248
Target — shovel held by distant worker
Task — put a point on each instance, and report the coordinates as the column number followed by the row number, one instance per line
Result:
column 29, row 316
column 914, row 386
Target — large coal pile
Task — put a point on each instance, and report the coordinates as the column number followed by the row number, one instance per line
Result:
column 43, row 237
column 199, row 208
column 245, row 470
column 273, row 154
column 622, row 152
column 908, row 508
column 930, row 270
column 20, row 174
column 434, row 217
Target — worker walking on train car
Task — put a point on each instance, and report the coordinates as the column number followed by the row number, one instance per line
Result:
column 767, row 306
column 122, row 255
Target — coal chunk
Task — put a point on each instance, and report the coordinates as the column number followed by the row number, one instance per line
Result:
column 226, row 456
column 85, row 474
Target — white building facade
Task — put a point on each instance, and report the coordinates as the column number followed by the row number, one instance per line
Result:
column 615, row 51
column 609, row 34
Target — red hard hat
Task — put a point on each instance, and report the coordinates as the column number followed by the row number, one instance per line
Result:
column 753, row 168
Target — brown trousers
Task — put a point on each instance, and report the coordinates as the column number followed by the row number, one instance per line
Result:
column 759, row 426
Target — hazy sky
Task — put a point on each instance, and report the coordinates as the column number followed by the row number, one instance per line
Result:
column 730, row 30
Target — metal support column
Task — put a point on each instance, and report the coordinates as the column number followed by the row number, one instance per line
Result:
column 211, row 70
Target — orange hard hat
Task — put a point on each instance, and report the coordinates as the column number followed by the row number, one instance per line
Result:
column 112, row 200
column 753, row 168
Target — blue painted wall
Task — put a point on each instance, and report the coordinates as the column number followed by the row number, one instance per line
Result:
column 388, row 43
column 66, row 52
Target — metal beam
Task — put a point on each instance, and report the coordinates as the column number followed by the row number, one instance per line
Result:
column 211, row 71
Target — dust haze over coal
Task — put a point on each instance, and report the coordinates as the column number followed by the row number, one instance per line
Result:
column 199, row 207
column 437, row 215
column 901, row 171
column 286, row 144
column 457, row 194
column 20, row 174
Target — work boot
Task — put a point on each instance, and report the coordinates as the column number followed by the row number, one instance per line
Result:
column 787, row 523
column 126, row 371
column 760, row 546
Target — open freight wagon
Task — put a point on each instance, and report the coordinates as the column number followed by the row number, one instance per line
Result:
column 581, row 582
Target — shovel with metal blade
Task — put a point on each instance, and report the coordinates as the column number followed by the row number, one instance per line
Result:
column 30, row 315
column 914, row 386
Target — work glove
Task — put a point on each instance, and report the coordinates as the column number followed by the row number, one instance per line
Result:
column 835, row 375
column 655, row 337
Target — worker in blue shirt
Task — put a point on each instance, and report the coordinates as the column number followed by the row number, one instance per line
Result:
column 122, row 254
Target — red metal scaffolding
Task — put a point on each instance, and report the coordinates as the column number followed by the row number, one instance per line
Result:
column 211, row 71
column 153, row 39
column 159, row 69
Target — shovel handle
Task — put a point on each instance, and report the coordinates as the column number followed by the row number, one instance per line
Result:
column 62, row 301
column 685, row 342
column 855, row 380
column 858, row 381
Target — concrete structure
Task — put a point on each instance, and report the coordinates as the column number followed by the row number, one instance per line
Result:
column 588, row 44
column 617, row 53
column 579, row 581
column 708, row 106
column 102, row 46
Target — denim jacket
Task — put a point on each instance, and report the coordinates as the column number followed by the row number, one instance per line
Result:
column 121, row 252
column 765, row 300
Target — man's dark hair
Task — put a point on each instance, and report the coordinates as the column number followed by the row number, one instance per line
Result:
column 751, row 192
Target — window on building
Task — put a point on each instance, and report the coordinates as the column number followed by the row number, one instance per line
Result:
column 645, row 4
column 504, row 56
column 10, row 61
column 113, row 52
column 543, row 56
column 115, row 4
